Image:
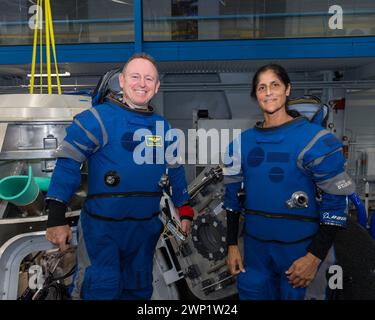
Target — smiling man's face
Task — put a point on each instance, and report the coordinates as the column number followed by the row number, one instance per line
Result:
column 139, row 82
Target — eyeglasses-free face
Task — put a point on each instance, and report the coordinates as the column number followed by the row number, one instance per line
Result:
column 271, row 92
column 139, row 82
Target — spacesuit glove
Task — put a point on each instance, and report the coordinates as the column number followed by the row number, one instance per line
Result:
column 186, row 213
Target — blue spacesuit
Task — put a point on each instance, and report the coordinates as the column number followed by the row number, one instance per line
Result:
column 119, row 225
column 294, row 180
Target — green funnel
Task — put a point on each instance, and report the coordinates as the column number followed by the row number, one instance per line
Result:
column 43, row 183
column 22, row 190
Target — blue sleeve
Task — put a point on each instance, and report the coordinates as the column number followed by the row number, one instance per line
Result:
column 231, row 202
column 327, row 175
column 66, row 179
column 324, row 160
column 333, row 210
column 176, row 171
column 84, row 136
column 232, row 176
column 180, row 195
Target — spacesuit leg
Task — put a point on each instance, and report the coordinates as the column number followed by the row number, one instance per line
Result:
column 137, row 274
column 98, row 268
column 284, row 255
column 259, row 282
column 137, row 262
column 290, row 293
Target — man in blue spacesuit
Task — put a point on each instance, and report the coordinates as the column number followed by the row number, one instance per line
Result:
column 119, row 225
column 292, row 172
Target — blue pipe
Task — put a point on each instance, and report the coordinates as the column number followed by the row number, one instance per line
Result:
column 361, row 210
column 323, row 14
column 138, row 26
column 372, row 225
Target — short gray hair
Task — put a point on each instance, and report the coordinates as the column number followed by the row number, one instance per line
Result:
column 142, row 55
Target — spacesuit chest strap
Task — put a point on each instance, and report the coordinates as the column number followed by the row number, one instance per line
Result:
column 282, row 216
column 124, row 194
column 105, row 218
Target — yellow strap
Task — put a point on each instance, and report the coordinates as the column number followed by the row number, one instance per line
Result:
column 41, row 48
column 53, row 47
column 34, row 50
column 46, row 18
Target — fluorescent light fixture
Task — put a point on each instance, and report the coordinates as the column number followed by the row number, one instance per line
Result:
column 121, row 2
column 65, row 74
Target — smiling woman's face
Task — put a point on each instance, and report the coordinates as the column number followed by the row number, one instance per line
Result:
column 271, row 92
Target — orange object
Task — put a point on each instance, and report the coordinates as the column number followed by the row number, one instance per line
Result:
column 340, row 104
column 345, row 148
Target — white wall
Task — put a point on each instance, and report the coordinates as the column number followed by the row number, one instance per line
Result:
column 360, row 128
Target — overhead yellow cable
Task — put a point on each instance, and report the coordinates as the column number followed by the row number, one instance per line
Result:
column 34, row 50
column 50, row 41
column 48, row 52
column 53, row 45
column 41, row 48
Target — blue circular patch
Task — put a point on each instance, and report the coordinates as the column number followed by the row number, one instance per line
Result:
column 255, row 157
column 276, row 174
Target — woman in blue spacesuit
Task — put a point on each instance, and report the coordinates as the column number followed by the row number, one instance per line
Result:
column 286, row 161
column 119, row 225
